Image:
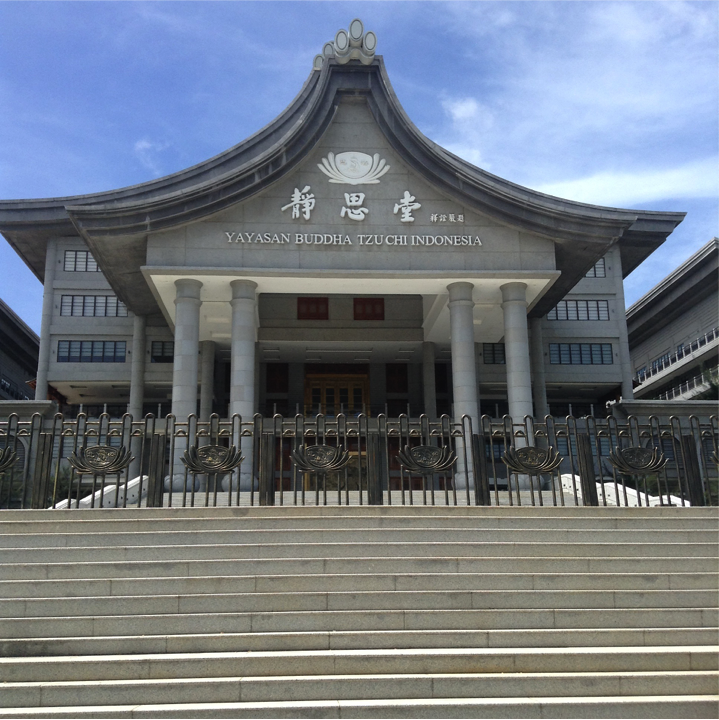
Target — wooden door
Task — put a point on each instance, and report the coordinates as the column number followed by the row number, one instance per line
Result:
column 332, row 394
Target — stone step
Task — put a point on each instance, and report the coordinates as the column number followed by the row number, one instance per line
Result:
column 357, row 620
column 339, row 640
column 359, row 549
column 356, row 687
column 367, row 510
column 63, row 522
column 301, row 536
column 347, row 582
column 355, row 600
column 366, row 565
column 668, row 706
column 358, row 662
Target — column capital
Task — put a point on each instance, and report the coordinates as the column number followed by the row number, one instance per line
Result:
column 187, row 288
column 514, row 292
column 243, row 289
column 461, row 292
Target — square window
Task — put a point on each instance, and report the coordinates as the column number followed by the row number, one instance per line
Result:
column 312, row 308
column 369, row 308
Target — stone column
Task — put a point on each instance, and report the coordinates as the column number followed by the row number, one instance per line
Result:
column 207, row 378
column 516, row 347
column 137, row 370
column 478, row 373
column 429, row 380
column 43, row 360
column 539, row 386
column 242, row 349
column 625, row 359
column 187, row 342
column 464, row 375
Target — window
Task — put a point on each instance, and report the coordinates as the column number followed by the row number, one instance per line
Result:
column 580, row 310
column 599, row 270
column 580, row 354
column 162, row 352
column 91, row 351
column 369, row 308
column 661, row 362
column 493, row 353
column 92, row 306
column 80, row 261
column 312, row 308
column 642, row 373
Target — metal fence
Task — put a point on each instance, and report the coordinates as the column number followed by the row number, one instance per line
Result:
column 340, row 460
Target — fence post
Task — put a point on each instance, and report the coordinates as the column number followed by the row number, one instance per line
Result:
column 481, row 476
column 587, row 477
column 691, row 469
column 374, row 469
column 266, row 488
column 156, row 470
column 41, row 475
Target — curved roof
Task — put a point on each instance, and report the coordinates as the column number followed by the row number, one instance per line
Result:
column 582, row 232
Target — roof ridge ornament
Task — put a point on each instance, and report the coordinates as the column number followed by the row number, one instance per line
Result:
column 352, row 44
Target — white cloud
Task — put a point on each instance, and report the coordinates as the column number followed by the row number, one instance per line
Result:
column 147, row 153
column 697, row 179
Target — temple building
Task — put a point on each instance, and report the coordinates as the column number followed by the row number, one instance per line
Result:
column 336, row 260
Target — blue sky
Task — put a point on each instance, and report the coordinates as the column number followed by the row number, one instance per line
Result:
column 612, row 103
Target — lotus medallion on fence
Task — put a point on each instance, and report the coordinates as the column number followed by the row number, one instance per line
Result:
column 637, row 460
column 100, row 460
column 426, row 459
column 532, row 460
column 212, row 459
column 320, row 458
column 8, row 457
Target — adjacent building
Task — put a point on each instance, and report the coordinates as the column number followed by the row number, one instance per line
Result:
column 674, row 332
column 337, row 260
column 18, row 356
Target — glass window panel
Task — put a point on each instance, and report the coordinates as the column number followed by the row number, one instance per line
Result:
column 554, row 354
column 63, row 351
column 91, row 264
column 607, row 354
column 564, row 354
column 69, row 261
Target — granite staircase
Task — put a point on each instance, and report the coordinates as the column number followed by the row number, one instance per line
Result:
column 362, row 612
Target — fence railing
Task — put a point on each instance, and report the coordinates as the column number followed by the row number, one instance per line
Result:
column 103, row 462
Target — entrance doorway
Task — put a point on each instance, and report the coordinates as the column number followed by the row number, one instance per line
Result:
column 332, row 393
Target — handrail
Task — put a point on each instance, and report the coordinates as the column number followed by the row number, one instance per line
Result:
column 686, row 351
column 696, row 381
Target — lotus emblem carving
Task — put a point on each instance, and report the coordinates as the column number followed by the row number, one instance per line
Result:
column 212, row 459
column 426, row 459
column 637, row 460
column 100, row 459
column 8, row 457
column 320, row 458
column 353, row 168
column 531, row 460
